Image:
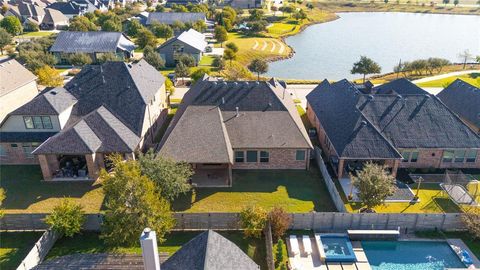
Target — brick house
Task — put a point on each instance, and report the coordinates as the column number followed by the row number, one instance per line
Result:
column 221, row 126
column 17, row 87
column 396, row 124
column 110, row 108
column 463, row 99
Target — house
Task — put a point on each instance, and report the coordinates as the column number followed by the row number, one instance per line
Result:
column 220, row 126
column 54, row 20
column 463, row 99
column 209, row 251
column 110, row 108
column 398, row 130
column 172, row 17
column 92, row 43
column 170, row 3
column 246, row 4
column 189, row 42
column 31, row 11
column 17, row 87
column 73, row 8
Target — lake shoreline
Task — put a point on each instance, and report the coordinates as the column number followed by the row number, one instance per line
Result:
column 335, row 17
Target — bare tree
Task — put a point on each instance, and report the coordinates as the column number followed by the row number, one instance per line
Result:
column 465, row 56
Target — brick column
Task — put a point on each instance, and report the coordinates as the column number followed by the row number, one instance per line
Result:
column 46, row 171
column 93, row 171
column 100, row 160
column 396, row 163
column 341, row 164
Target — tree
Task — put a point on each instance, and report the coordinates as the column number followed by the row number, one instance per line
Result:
column 221, row 34
column 133, row 27
column 2, row 198
column 161, row 30
column 374, row 185
column 198, row 74
column 436, row 64
column 178, row 26
column 257, row 26
column 365, row 66
column 232, row 46
column 79, row 59
column 476, row 59
column 258, row 66
column 253, row 220
column 300, row 15
column 82, row 24
column 108, row 57
column 279, row 221
column 279, row 253
column 153, row 58
column 170, row 177
column 236, row 71
column 12, row 25
column 256, row 14
column 34, row 53
column 49, row 76
column 187, row 60
column 471, row 219
column 218, row 62
column 465, row 56
column 5, row 39
column 456, row 2
column 145, row 37
column 132, row 204
column 230, row 55
column 181, row 71
column 31, row 27
column 445, row 2
column 111, row 25
column 199, row 26
column 159, row 8
column 67, row 218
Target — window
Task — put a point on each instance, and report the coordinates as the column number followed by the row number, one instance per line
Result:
column 414, row 156
column 239, row 156
column 38, row 122
column 459, row 156
column 264, row 156
column 300, row 155
column 3, row 151
column 447, row 156
column 471, row 156
column 28, row 148
column 252, row 156
column 406, row 156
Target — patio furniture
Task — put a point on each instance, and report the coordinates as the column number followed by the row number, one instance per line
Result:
column 307, row 244
column 294, row 245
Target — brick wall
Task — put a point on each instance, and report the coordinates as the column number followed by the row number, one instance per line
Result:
column 326, row 146
column 432, row 158
column 279, row 159
column 15, row 155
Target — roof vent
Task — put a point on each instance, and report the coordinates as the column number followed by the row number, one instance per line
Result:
column 129, row 65
column 257, row 83
column 214, row 83
column 370, row 97
column 363, row 123
column 399, row 96
column 427, row 96
column 235, row 83
column 53, row 93
column 246, row 83
column 237, row 114
column 223, row 100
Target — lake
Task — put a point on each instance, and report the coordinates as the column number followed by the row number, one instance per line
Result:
column 329, row 50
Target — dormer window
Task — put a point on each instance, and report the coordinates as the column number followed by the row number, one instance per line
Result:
column 37, row 122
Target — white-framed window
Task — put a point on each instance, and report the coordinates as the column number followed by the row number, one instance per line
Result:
column 28, row 148
column 239, row 156
column 252, row 156
column 471, row 156
column 264, row 156
column 37, row 122
column 447, row 156
column 300, row 155
column 409, row 155
column 460, row 156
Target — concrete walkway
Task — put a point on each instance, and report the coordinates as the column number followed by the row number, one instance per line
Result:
column 446, row 75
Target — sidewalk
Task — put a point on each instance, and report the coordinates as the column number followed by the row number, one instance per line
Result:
column 446, row 75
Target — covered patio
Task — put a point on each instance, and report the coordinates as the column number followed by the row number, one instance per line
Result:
column 212, row 175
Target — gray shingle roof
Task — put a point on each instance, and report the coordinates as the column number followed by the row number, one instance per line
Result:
column 373, row 126
column 209, row 251
column 13, row 76
column 267, row 119
column 50, row 102
column 171, row 17
column 90, row 42
column 12, row 137
column 400, row 86
column 464, row 99
column 191, row 38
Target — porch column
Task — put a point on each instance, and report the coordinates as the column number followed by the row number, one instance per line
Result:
column 100, row 160
column 46, row 171
column 93, row 171
column 396, row 163
column 130, row 156
column 341, row 164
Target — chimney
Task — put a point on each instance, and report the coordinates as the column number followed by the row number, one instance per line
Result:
column 148, row 241
column 236, row 112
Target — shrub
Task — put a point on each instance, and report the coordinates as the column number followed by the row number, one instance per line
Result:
column 49, row 76
column 279, row 221
column 79, row 59
column 471, row 219
column 198, row 74
column 279, row 254
column 67, row 218
column 187, row 60
column 253, row 220
column 218, row 62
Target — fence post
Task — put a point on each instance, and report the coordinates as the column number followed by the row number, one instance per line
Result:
column 388, row 221
column 443, row 221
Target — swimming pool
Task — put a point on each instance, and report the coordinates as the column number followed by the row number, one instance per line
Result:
column 410, row 255
column 338, row 248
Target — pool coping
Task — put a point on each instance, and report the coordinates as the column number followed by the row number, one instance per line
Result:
column 335, row 258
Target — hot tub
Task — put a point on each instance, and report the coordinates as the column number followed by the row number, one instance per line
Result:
column 336, row 248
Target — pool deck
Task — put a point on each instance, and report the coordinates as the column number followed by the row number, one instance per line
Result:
column 458, row 243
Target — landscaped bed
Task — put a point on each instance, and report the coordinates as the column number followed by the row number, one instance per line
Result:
column 89, row 242
column 14, row 246
column 27, row 193
column 294, row 190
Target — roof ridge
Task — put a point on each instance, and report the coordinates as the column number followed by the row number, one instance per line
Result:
column 225, row 135
column 109, row 124
column 74, row 127
column 137, row 90
column 207, row 249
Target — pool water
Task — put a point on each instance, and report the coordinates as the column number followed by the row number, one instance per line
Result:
column 410, row 255
column 337, row 248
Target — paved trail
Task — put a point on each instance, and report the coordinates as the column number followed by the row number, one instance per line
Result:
column 256, row 45
column 446, row 75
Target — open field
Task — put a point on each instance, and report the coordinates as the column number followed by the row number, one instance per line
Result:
column 14, row 246
column 89, row 242
column 473, row 79
column 294, row 190
column 26, row 193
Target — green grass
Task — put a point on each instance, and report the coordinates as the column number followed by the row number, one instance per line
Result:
column 432, row 200
column 89, row 242
column 14, row 246
column 207, row 60
column 294, row 190
column 472, row 78
column 36, row 34
column 26, row 193
column 473, row 244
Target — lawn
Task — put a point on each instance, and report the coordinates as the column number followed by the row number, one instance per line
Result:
column 36, row 34
column 432, row 200
column 473, row 244
column 294, row 190
column 26, row 193
column 472, row 78
column 206, row 60
column 14, row 246
column 89, row 242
